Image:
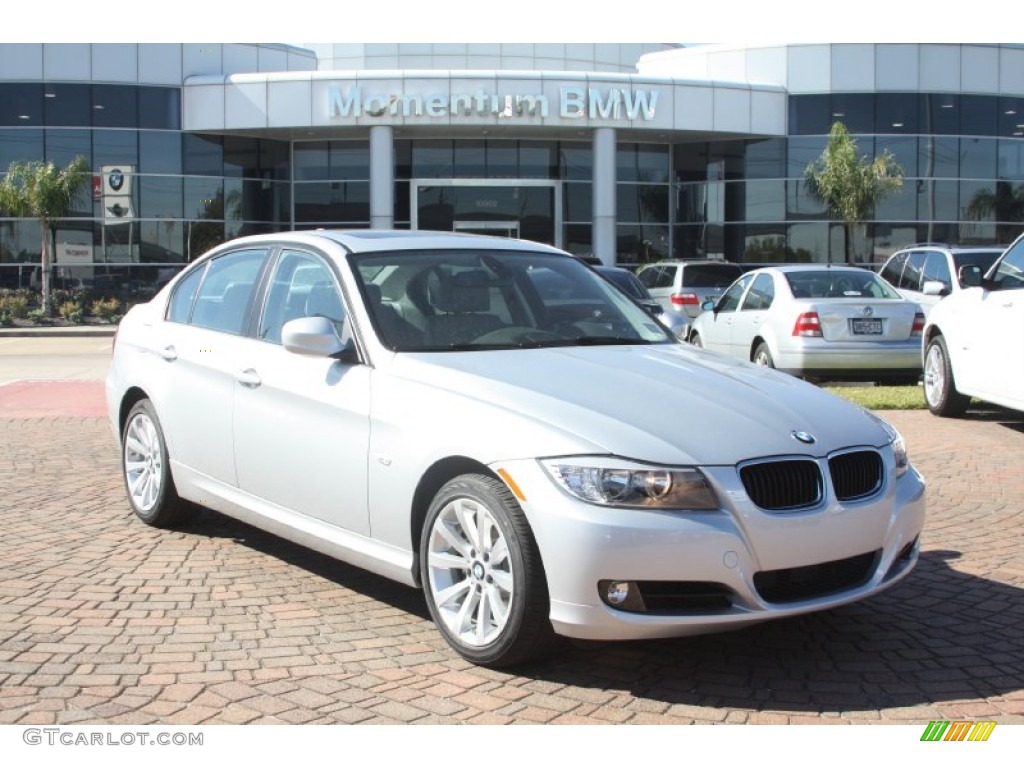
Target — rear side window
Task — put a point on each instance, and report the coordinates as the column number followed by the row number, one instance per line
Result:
column 761, row 294
column 894, row 268
column 224, row 297
column 936, row 269
column 710, row 275
column 180, row 308
column 911, row 278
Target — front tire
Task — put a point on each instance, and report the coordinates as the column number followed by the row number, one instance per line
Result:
column 940, row 392
column 482, row 574
column 146, row 469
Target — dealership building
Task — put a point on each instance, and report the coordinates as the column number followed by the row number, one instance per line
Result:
column 631, row 152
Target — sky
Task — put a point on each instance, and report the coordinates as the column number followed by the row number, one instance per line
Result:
column 732, row 21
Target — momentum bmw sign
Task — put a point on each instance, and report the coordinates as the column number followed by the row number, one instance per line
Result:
column 572, row 102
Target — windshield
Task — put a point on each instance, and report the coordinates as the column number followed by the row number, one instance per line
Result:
column 430, row 301
column 981, row 259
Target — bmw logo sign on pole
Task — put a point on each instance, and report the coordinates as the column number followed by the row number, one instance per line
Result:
column 116, row 179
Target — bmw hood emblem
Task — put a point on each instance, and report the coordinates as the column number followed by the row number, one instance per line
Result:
column 803, row 437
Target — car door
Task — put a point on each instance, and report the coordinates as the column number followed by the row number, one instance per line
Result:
column 199, row 342
column 716, row 328
column 752, row 313
column 302, row 423
column 992, row 364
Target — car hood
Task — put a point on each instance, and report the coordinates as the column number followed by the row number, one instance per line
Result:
column 666, row 404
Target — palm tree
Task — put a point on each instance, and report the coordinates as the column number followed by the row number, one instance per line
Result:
column 40, row 190
column 849, row 186
column 1006, row 204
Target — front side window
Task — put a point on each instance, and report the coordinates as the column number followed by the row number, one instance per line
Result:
column 761, row 294
column 894, row 268
column 1010, row 272
column 225, row 295
column 303, row 286
column 731, row 300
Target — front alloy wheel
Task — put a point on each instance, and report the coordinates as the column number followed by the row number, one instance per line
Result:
column 482, row 575
column 940, row 392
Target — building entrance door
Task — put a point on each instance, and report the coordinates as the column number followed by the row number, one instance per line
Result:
column 530, row 209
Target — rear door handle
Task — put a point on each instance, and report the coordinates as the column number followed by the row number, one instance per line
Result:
column 248, row 378
column 168, row 353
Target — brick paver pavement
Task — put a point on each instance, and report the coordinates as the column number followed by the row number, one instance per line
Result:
column 106, row 621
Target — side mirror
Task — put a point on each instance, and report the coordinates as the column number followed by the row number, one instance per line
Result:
column 934, row 288
column 316, row 337
column 970, row 275
column 655, row 309
column 708, row 305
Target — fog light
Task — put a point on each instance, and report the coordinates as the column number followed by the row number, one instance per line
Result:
column 617, row 592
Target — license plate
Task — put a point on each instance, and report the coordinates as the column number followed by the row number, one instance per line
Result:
column 862, row 327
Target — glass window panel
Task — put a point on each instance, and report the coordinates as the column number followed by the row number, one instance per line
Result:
column 688, row 242
column 159, row 152
column 627, row 207
column 764, row 159
column 537, row 160
column 1011, row 159
column 766, row 244
column 765, row 200
column 625, row 162
column 939, row 157
column 577, row 202
column 202, row 155
column 160, row 197
column 810, row 114
column 978, row 116
column 233, row 200
column 115, row 148
column 899, row 205
column 799, row 204
column 162, row 241
column 432, row 159
column 690, row 161
column 652, row 162
column 204, row 198
column 349, row 160
column 937, row 200
column 115, row 106
column 502, row 160
column 940, row 113
column 470, row 159
column 1011, row 116
column 401, row 202
column 725, row 160
column 160, row 108
column 403, row 159
column 903, row 149
column 812, row 239
column 576, row 161
column 577, row 239
column 690, row 203
column 332, row 202
column 896, row 113
column 20, row 145
column 803, row 152
column 241, row 156
column 641, row 243
column 263, row 200
column 274, row 159
column 653, row 200
column 21, row 104
column 201, row 236
column 977, row 158
column 64, row 145
column 854, row 110
column 311, row 160
column 119, row 243
column 68, row 104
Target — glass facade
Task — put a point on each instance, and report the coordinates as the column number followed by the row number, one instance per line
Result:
column 744, row 200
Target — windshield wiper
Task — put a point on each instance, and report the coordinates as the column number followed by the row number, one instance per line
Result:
column 596, row 341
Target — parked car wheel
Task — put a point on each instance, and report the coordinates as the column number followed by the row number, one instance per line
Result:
column 482, row 575
column 696, row 340
column 940, row 391
column 763, row 356
column 146, row 469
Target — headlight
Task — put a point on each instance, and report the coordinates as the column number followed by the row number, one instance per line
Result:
column 899, row 448
column 617, row 483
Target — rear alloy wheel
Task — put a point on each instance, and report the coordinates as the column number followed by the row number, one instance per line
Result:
column 482, row 575
column 147, row 471
column 696, row 340
column 940, row 392
column 763, row 356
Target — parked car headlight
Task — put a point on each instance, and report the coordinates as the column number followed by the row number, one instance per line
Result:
column 899, row 448
column 617, row 483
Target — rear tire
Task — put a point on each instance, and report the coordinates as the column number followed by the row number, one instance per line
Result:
column 763, row 356
column 696, row 340
column 146, row 469
column 482, row 574
column 940, row 392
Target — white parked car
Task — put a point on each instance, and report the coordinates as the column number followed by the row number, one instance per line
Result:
column 541, row 462
column 819, row 322
column 927, row 272
column 971, row 344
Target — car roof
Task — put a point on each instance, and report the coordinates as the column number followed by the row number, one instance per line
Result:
column 692, row 262
column 784, row 268
column 952, row 248
column 374, row 240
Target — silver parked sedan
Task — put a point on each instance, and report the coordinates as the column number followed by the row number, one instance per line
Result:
column 820, row 322
column 491, row 421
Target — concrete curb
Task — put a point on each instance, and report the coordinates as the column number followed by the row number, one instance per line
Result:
column 59, row 331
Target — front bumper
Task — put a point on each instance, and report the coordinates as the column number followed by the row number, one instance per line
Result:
column 732, row 548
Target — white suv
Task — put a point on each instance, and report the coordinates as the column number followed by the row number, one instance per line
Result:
column 972, row 339
column 927, row 272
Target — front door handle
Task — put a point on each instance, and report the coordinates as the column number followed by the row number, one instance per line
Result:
column 168, row 353
column 248, row 378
